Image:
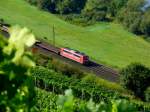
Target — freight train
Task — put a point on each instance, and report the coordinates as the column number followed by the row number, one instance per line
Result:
column 65, row 52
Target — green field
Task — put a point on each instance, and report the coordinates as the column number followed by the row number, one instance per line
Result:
column 106, row 43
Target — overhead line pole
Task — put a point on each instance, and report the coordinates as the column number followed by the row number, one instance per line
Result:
column 53, row 35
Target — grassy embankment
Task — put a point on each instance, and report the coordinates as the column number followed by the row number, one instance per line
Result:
column 106, row 43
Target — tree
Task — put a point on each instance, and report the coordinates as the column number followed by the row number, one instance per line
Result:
column 96, row 9
column 136, row 17
column 145, row 23
column 131, row 15
column 116, row 5
column 136, row 78
column 49, row 5
column 16, row 87
column 70, row 6
column 60, row 6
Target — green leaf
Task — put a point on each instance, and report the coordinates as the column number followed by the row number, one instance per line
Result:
column 19, row 39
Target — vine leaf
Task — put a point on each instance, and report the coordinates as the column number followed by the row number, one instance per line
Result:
column 20, row 38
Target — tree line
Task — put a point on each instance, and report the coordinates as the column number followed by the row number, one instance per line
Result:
column 133, row 14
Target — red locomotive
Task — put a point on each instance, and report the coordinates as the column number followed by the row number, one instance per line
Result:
column 74, row 55
column 65, row 52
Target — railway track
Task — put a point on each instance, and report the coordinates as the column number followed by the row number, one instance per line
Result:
column 100, row 70
column 93, row 67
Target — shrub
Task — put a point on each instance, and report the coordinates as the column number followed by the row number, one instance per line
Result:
column 78, row 19
column 66, row 69
column 147, row 94
column 136, row 78
column 91, row 78
column 33, row 2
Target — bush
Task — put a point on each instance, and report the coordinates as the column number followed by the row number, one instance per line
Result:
column 91, row 78
column 147, row 94
column 136, row 78
column 78, row 19
column 33, row 2
column 66, row 69
column 58, row 66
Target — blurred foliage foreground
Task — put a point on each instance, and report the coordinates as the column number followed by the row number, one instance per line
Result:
column 16, row 88
column 17, row 92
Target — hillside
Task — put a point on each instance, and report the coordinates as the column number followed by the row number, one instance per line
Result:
column 107, row 43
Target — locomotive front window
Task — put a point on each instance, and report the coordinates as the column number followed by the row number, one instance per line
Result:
column 67, row 52
column 76, row 55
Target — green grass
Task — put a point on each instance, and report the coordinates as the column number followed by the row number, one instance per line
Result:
column 106, row 43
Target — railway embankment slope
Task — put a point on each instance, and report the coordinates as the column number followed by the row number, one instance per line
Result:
column 106, row 43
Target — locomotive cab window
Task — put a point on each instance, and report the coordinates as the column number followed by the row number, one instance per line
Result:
column 76, row 55
column 67, row 52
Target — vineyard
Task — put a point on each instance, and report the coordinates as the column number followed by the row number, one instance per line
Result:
column 51, row 102
column 45, row 101
column 56, row 83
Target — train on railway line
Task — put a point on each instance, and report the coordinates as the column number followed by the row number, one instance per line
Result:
column 74, row 55
column 65, row 52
